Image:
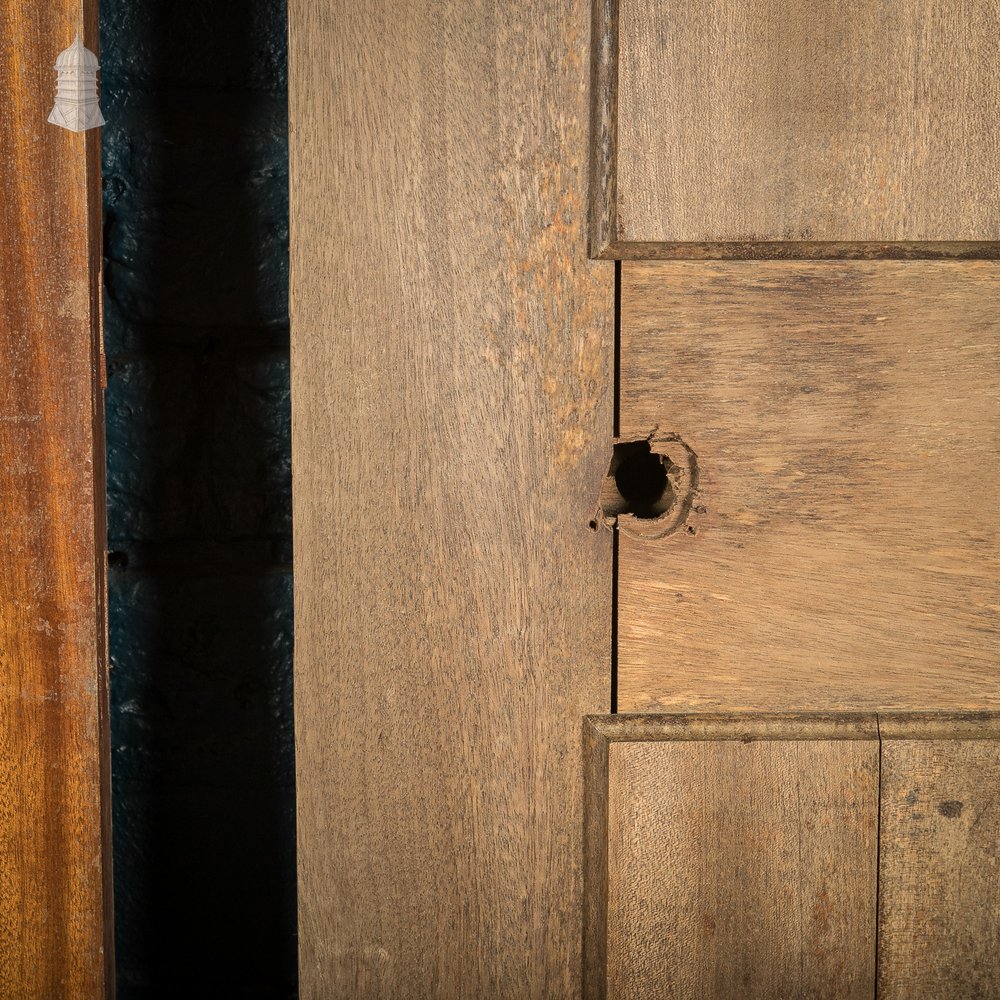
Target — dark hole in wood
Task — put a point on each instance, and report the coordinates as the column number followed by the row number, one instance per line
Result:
column 118, row 560
column 641, row 479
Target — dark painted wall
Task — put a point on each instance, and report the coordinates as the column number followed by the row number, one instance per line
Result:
column 196, row 329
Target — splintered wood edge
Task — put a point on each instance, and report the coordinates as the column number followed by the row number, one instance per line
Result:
column 683, row 479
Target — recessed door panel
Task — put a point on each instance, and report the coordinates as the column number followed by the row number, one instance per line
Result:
column 839, row 548
column 803, row 127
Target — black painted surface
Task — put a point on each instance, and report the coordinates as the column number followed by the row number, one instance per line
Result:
column 199, row 484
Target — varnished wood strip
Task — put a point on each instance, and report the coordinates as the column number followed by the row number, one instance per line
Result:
column 55, row 892
column 451, row 395
column 939, row 898
column 842, row 550
column 802, row 128
column 741, row 869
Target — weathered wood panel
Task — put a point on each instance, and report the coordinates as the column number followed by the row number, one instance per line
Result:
column 54, row 870
column 841, row 127
column 939, row 899
column 740, row 858
column 842, row 548
column 452, row 349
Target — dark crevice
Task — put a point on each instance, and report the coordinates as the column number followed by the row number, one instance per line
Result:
column 641, row 478
column 199, row 497
column 617, row 389
column 878, row 850
column 616, row 422
column 614, row 621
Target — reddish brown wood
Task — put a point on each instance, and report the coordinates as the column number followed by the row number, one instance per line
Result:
column 54, row 888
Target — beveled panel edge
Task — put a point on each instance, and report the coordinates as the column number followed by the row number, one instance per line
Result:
column 939, row 725
column 606, row 231
column 599, row 731
column 749, row 726
column 737, row 726
column 603, row 199
column 604, row 248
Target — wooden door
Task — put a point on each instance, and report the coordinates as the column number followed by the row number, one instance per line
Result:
column 55, row 887
column 727, row 273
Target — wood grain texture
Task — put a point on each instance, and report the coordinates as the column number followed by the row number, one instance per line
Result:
column 741, row 869
column 451, row 360
column 55, row 896
column 842, row 128
column 843, row 550
column 596, row 741
column 939, row 899
column 705, row 833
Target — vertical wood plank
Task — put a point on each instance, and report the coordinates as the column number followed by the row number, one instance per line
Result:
column 595, row 860
column 54, row 836
column 742, row 870
column 731, row 855
column 451, row 353
column 939, row 900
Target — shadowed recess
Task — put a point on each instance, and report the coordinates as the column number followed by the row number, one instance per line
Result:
column 199, row 489
column 641, row 478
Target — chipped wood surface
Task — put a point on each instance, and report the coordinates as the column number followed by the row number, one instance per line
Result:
column 451, row 395
column 843, row 550
column 55, row 933
column 734, row 867
column 824, row 129
column 939, row 898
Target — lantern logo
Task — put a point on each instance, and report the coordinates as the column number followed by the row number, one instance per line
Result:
column 76, row 105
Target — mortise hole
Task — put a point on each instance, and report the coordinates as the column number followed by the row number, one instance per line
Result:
column 641, row 479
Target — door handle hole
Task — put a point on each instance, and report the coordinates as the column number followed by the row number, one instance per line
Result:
column 649, row 487
column 641, row 479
